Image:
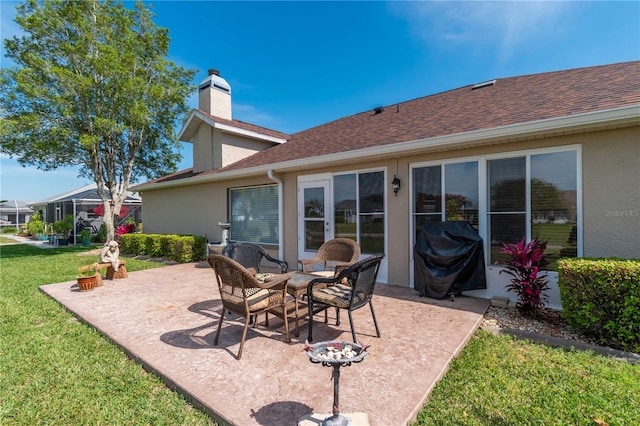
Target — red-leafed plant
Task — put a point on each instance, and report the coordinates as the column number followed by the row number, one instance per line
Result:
column 125, row 229
column 525, row 264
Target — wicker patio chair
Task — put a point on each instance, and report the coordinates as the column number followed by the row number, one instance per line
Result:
column 241, row 292
column 334, row 255
column 250, row 255
column 351, row 289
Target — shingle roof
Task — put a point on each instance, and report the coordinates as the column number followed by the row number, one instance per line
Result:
column 509, row 101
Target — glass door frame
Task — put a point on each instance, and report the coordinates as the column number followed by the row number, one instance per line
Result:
column 318, row 181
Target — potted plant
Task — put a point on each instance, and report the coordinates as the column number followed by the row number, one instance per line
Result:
column 36, row 227
column 85, row 237
column 89, row 277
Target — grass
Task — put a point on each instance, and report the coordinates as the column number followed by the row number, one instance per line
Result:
column 498, row 380
column 56, row 370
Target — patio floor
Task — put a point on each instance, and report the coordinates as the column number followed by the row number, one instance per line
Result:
column 166, row 318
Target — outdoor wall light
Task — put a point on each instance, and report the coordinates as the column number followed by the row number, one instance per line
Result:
column 395, row 184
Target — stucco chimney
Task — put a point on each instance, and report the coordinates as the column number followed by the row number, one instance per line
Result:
column 215, row 95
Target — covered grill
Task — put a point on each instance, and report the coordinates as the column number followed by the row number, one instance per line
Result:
column 448, row 259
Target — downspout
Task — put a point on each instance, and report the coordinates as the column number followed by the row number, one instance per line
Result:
column 276, row 179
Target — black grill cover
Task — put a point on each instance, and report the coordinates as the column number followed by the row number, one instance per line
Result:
column 448, row 259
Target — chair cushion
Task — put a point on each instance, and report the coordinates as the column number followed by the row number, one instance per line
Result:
column 336, row 295
column 256, row 301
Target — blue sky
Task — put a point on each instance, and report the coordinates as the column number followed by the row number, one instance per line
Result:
column 295, row 65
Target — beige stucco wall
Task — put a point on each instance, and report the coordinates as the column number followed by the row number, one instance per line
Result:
column 611, row 188
column 213, row 149
column 235, row 148
column 185, row 210
column 204, row 150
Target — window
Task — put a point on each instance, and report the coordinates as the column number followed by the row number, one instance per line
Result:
column 445, row 193
column 359, row 209
column 554, row 215
column 534, row 196
column 254, row 214
column 506, row 180
column 531, row 194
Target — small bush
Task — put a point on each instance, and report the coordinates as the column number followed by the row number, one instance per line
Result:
column 132, row 244
column 525, row 265
column 102, row 233
column 35, row 225
column 10, row 230
column 153, row 245
column 601, row 299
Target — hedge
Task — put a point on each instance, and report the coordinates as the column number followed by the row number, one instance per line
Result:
column 601, row 299
column 179, row 248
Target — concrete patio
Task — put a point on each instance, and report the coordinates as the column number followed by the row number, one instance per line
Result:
column 166, row 318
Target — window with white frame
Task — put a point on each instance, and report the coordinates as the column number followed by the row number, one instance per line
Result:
column 445, row 192
column 529, row 195
column 359, row 209
column 534, row 196
column 254, row 214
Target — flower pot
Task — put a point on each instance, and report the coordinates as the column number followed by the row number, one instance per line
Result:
column 86, row 283
column 86, row 242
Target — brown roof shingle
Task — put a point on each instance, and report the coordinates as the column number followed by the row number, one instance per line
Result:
column 512, row 100
column 509, row 101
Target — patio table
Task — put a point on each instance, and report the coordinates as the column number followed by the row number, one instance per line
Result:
column 296, row 287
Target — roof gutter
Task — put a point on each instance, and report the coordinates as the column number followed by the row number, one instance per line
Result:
column 278, row 180
column 512, row 133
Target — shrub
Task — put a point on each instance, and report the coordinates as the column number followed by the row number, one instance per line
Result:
column 179, row 248
column 153, row 245
column 601, row 299
column 102, row 233
column 132, row 244
column 525, row 264
column 10, row 230
column 35, row 225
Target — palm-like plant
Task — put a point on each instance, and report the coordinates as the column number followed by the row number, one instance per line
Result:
column 525, row 264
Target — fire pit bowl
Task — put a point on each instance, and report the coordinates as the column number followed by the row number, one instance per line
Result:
column 336, row 354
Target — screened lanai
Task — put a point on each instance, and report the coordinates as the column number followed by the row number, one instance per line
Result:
column 85, row 205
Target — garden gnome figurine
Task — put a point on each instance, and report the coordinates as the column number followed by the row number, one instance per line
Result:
column 110, row 253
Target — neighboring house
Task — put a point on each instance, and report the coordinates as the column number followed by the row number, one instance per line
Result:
column 81, row 203
column 15, row 213
column 554, row 155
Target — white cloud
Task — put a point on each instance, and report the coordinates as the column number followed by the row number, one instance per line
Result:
column 503, row 25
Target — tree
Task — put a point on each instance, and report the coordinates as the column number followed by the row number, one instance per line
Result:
column 92, row 87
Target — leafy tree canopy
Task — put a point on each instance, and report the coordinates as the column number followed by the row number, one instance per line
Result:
column 92, row 88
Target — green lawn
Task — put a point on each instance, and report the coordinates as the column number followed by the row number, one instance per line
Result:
column 56, row 370
column 498, row 380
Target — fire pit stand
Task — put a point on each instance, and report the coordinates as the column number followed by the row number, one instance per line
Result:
column 335, row 354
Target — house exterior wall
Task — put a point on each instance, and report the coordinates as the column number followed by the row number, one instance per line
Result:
column 204, row 150
column 213, row 149
column 235, row 148
column 611, row 182
column 199, row 208
column 610, row 170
